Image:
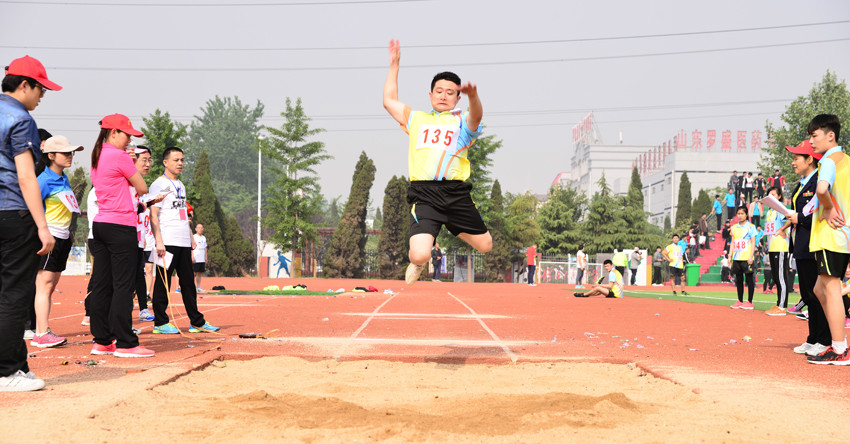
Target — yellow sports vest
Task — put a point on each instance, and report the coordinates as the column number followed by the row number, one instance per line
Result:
column 439, row 145
column 772, row 223
column 823, row 236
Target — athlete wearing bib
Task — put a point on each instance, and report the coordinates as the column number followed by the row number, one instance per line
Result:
column 743, row 251
column 675, row 255
column 614, row 287
column 777, row 251
column 438, row 166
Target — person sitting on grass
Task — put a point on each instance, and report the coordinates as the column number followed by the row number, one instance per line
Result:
column 614, row 287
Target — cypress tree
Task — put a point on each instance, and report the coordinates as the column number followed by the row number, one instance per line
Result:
column 348, row 246
column 499, row 258
column 393, row 244
column 204, row 205
column 559, row 221
column 603, row 230
column 683, row 207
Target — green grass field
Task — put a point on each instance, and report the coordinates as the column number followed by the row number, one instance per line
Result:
column 760, row 301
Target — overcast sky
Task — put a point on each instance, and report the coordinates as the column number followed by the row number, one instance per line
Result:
column 647, row 69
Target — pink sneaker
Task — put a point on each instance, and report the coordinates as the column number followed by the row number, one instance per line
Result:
column 135, row 352
column 97, row 349
column 737, row 304
column 846, row 322
column 747, row 305
column 47, row 340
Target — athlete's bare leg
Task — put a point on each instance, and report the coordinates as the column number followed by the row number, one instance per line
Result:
column 420, row 248
column 481, row 242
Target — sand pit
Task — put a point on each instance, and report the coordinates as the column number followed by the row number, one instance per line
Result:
column 285, row 399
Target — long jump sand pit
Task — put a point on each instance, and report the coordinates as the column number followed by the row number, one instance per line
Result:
column 286, row 399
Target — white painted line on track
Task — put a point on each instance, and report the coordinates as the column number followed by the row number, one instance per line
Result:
column 426, row 315
column 492, row 335
column 362, row 327
column 431, row 342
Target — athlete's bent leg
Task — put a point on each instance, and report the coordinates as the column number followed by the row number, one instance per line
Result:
column 481, row 242
column 420, row 248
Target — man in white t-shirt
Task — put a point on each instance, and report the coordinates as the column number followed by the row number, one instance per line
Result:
column 199, row 256
column 581, row 268
column 170, row 226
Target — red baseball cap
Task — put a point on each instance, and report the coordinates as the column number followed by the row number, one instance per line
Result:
column 29, row 67
column 805, row 147
column 120, row 122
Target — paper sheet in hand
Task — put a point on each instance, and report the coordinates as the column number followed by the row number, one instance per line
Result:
column 158, row 261
column 811, row 207
column 771, row 202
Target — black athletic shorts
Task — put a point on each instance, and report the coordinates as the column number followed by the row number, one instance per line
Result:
column 677, row 275
column 832, row 263
column 55, row 260
column 742, row 267
column 435, row 203
column 199, row 267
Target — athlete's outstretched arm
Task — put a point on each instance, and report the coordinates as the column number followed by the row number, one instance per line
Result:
column 476, row 110
column 391, row 103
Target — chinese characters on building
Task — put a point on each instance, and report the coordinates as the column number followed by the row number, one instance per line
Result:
column 729, row 141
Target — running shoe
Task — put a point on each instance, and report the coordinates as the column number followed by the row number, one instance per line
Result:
column 97, row 349
column 145, row 315
column 804, row 316
column 737, row 304
column 28, row 334
column 829, row 356
column 846, row 322
column 579, row 286
column 135, row 352
column 86, row 321
column 412, row 273
column 775, row 311
column 166, row 329
column 747, row 305
column 803, row 348
column 47, row 340
column 20, row 382
column 137, row 331
column 580, row 295
column 794, row 310
column 206, row 328
column 816, row 349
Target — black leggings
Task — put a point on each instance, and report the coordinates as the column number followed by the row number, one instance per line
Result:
column 739, row 269
column 141, row 286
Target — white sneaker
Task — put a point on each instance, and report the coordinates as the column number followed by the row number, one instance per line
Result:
column 86, row 321
column 803, row 348
column 412, row 273
column 816, row 349
column 20, row 382
column 28, row 335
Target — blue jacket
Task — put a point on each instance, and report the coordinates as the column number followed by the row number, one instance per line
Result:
column 803, row 229
column 18, row 134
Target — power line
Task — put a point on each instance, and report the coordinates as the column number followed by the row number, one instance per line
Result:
column 502, row 63
column 449, row 45
column 183, row 5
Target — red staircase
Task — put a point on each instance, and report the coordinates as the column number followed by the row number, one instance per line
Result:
column 709, row 257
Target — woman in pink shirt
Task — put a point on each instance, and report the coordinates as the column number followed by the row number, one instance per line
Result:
column 115, row 242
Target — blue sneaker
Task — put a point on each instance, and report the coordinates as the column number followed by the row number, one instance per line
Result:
column 145, row 315
column 166, row 329
column 206, row 328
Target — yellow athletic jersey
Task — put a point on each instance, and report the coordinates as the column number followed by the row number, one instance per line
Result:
column 439, row 144
column 674, row 256
column 833, row 168
column 742, row 249
column 616, row 279
column 772, row 223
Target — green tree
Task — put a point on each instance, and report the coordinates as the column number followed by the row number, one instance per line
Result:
column 830, row 96
column 295, row 197
column 393, row 244
column 499, row 258
column 702, row 204
column 683, row 208
column 637, row 230
column 160, row 133
column 604, row 225
column 79, row 180
column 521, row 228
column 228, row 131
column 206, row 206
column 347, row 250
column 379, row 219
column 668, row 227
column 559, row 220
column 480, row 161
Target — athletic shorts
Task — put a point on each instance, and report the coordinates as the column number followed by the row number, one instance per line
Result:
column 832, row 263
column 443, row 202
column 742, row 267
column 199, row 267
column 677, row 275
column 55, row 260
column 148, row 254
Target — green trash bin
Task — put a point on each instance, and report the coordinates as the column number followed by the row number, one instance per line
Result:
column 692, row 275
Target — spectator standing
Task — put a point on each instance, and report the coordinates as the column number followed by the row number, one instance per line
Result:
column 767, row 288
column 743, row 256
column 756, row 211
column 777, row 250
column 805, row 165
column 776, row 180
column 581, row 264
column 531, row 256
column 620, row 260
column 727, row 236
column 436, row 261
column 725, row 268
column 702, row 228
column 23, row 227
column 199, row 256
column 634, row 263
column 718, row 211
column 761, row 186
column 657, row 263
column 730, row 204
column 749, row 186
column 733, row 183
column 693, row 247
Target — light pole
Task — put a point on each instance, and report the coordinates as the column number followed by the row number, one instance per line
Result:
column 259, row 199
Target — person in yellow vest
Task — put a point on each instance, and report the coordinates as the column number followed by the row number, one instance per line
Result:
column 777, row 251
column 439, row 143
column 619, row 260
column 743, row 254
column 675, row 256
column 614, row 287
column 830, row 238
